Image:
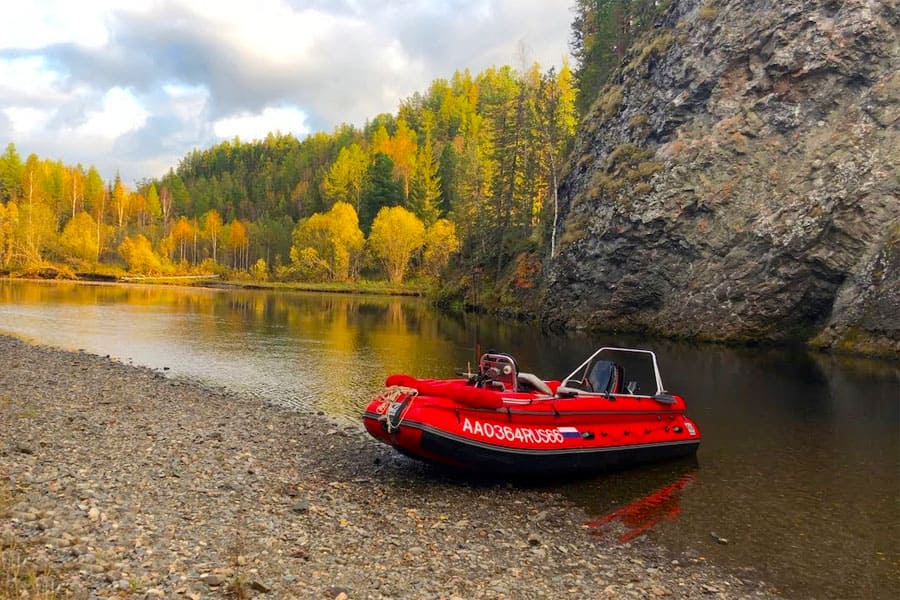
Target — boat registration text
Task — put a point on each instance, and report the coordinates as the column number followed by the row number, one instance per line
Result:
column 532, row 435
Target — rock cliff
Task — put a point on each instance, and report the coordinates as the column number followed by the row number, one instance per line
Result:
column 739, row 179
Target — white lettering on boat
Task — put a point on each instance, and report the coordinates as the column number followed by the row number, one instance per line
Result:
column 530, row 435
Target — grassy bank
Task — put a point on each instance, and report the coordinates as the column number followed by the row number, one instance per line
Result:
column 384, row 288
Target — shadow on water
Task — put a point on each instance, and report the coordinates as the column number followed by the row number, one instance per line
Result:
column 800, row 459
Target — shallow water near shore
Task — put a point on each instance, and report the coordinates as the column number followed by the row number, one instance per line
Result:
column 797, row 480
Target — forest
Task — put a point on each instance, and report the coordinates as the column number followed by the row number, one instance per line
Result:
column 461, row 182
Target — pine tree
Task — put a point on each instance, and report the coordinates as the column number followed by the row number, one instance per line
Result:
column 381, row 190
column 425, row 190
column 11, row 170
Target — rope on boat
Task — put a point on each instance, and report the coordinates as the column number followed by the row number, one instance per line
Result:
column 390, row 395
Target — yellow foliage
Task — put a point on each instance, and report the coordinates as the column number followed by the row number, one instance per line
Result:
column 402, row 150
column 396, row 235
column 440, row 243
column 260, row 271
column 121, row 200
column 9, row 223
column 167, row 247
column 37, row 228
column 307, row 264
column 212, row 228
column 236, row 239
column 79, row 237
column 183, row 232
column 139, row 255
column 335, row 236
column 344, row 180
column 346, row 225
column 237, row 235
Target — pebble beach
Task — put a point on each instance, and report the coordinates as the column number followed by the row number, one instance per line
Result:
column 119, row 482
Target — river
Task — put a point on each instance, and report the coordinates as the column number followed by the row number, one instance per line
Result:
column 797, row 480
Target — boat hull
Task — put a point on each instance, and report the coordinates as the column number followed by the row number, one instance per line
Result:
column 435, row 445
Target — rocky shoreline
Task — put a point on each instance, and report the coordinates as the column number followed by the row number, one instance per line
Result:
column 116, row 481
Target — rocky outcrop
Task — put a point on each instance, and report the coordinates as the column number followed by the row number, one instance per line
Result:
column 866, row 314
column 739, row 180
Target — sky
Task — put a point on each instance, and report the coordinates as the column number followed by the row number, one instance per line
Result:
column 132, row 86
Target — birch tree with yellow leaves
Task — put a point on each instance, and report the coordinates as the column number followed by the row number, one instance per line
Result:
column 396, row 235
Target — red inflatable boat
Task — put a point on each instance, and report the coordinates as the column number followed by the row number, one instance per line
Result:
column 505, row 421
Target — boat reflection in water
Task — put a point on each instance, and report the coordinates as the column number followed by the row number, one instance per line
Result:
column 632, row 506
column 643, row 514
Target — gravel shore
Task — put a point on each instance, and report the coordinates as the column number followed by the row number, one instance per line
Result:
column 116, row 481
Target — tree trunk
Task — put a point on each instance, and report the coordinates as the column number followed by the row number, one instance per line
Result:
column 74, row 191
column 555, row 185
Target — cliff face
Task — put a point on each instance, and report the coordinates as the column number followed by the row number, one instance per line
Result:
column 740, row 180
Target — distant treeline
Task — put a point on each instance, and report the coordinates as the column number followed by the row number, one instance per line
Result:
column 478, row 155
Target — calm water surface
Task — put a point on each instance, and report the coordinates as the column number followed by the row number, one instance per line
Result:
column 799, row 469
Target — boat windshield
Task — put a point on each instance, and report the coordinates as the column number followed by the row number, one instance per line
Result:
column 621, row 371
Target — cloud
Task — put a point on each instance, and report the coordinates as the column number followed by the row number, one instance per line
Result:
column 121, row 112
column 187, row 102
column 156, row 79
column 6, row 128
column 25, row 119
column 255, row 126
column 36, row 25
column 29, row 80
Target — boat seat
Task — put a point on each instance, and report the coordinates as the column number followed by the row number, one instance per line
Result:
column 575, row 386
column 605, row 377
column 527, row 382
